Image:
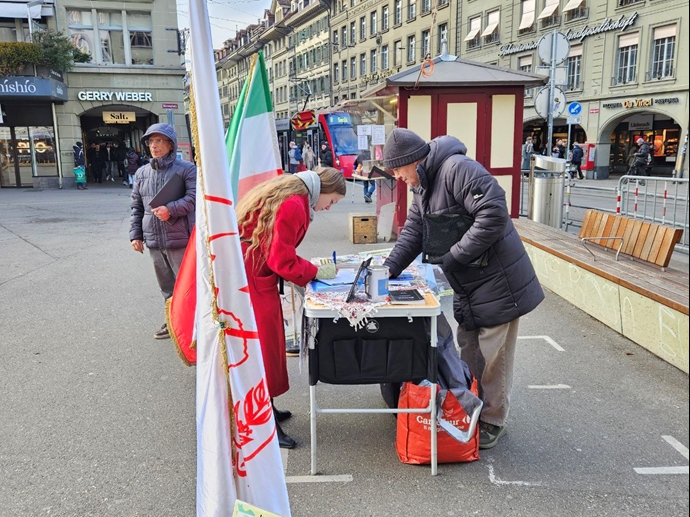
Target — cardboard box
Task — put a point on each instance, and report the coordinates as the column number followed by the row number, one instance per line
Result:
column 363, row 228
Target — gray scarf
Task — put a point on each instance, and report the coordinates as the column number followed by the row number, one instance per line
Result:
column 313, row 183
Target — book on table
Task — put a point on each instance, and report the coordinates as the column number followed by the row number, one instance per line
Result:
column 403, row 296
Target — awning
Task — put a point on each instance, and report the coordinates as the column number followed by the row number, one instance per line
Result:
column 527, row 20
column 628, row 40
column 667, row 31
column 489, row 29
column 472, row 35
column 572, row 5
column 548, row 10
column 19, row 10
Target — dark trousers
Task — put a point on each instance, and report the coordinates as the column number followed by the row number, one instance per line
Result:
column 166, row 264
column 96, row 172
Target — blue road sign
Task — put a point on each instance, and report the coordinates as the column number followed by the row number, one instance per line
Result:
column 574, row 108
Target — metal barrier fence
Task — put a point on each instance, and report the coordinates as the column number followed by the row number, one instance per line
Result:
column 659, row 200
column 662, row 200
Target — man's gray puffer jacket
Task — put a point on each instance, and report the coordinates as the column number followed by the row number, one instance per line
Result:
column 149, row 179
column 452, row 183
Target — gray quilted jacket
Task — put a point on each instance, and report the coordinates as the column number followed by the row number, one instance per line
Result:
column 507, row 287
column 149, row 179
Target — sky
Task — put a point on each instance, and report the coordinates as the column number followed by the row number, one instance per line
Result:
column 226, row 16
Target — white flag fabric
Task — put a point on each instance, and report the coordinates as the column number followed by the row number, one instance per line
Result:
column 237, row 448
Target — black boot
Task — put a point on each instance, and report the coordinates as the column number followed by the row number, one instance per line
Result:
column 280, row 414
column 284, row 441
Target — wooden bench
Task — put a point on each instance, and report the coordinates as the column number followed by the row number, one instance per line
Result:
column 643, row 240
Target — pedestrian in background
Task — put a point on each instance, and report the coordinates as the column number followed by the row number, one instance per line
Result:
column 132, row 165
column 576, row 159
column 79, row 166
column 488, row 268
column 273, row 218
column 94, row 159
column 166, row 229
column 295, row 156
column 368, row 186
column 309, row 157
column 108, row 160
column 325, row 155
column 527, row 152
column 121, row 160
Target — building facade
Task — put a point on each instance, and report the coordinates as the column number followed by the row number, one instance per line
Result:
column 625, row 68
column 134, row 79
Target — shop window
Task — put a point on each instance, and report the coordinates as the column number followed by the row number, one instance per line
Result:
column 425, row 44
column 491, row 34
column 112, row 42
column 442, row 37
column 549, row 16
column 574, row 68
column 527, row 19
column 411, row 9
column 472, row 40
column 411, row 49
column 663, row 52
column 116, row 42
column 575, row 10
column 525, row 65
column 626, row 59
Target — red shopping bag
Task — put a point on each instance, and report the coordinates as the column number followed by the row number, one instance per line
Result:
column 413, row 441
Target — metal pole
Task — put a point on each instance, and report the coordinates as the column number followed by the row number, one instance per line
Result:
column 567, row 148
column 552, row 88
column 58, row 154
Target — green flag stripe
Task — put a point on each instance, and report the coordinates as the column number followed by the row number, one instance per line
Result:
column 259, row 100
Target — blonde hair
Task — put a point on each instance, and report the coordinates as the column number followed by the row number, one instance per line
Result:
column 263, row 202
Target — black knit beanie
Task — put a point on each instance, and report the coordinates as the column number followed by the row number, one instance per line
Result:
column 403, row 147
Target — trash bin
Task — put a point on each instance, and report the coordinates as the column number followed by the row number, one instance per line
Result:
column 546, row 190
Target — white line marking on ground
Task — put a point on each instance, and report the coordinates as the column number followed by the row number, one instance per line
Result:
column 345, row 478
column 547, row 339
column 668, row 470
column 496, row 481
column 549, row 387
column 664, row 470
column 284, row 458
column 677, row 446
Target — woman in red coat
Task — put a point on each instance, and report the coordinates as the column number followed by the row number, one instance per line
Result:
column 273, row 219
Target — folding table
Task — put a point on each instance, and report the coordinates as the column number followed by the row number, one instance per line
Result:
column 431, row 309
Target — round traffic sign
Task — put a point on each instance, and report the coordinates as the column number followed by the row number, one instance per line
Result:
column 541, row 102
column 574, row 108
column 549, row 50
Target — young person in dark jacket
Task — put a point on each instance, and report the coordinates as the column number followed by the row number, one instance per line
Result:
column 578, row 154
column 489, row 299
column 325, row 155
column 165, row 229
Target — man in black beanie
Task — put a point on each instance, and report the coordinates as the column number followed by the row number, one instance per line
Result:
column 490, row 272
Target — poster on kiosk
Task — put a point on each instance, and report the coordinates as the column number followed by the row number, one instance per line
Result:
column 589, row 156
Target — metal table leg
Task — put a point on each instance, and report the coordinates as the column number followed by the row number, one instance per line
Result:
column 432, row 404
column 312, row 427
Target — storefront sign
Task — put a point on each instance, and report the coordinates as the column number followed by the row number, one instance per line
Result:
column 170, row 106
column 639, row 122
column 119, row 117
column 593, row 111
column 607, row 25
column 640, row 103
column 104, row 95
column 32, row 88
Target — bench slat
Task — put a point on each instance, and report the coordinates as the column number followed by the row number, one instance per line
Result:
column 606, row 232
column 671, row 238
column 586, row 229
column 656, row 245
column 649, row 241
column 641, row 239
column 632, row 240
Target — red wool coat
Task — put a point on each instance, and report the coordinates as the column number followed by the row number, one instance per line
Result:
column 281, row 261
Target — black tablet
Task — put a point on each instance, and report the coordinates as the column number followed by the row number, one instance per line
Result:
column 353, row 290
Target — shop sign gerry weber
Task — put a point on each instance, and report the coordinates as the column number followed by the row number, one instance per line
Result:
column 96, row 95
